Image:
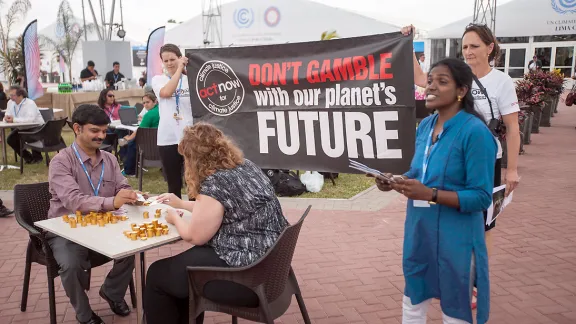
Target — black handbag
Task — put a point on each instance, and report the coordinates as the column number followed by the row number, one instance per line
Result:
column 494, row 125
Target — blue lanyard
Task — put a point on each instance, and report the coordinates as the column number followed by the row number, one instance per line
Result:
column 177, row 95
column 19, row 107
column 427, row 153
column 97, row 189
column 115, row 77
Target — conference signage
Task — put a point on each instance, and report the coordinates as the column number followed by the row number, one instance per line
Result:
column 313, row 105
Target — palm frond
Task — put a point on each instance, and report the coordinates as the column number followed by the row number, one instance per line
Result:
column 328, row 35
column 17, row 11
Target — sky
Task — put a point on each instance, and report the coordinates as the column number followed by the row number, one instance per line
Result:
column 142, row 16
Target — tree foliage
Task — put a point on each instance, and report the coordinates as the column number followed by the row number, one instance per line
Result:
column 71, row 33
column 11, row 57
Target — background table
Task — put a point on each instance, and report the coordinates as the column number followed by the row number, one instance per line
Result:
column 118, row 125
column 3, row 126
column 111, row 241
column 69, row 101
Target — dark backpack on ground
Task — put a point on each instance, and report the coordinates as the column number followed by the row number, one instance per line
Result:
column 286, row 183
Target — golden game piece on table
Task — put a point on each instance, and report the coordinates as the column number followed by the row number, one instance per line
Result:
column 83, row 224
column 93, row 221
column 101, row 223
column 65, row 218
column 134, row 226
column 114, row 220
column 124, row 218
column 158, row 211
column 143, row 238
column 72, row 223
column 164, row 226
column 109, row 214
column 157, row 216
column 165, row 231
column 133, row 236
column 158, row 232
column 150, row 233
column 78, row 213
column 155, row 223
column 127, row 233
column 146, row 215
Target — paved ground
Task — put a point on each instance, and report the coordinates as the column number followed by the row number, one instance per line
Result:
column 348, row 259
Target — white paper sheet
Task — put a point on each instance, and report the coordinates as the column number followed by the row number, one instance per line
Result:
column 499, row 202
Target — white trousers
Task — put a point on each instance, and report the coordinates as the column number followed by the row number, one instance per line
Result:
column 416, row 314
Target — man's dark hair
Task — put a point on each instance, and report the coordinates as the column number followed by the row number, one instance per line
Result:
column 20, row 92
column 91, row 63
column 115, row 63
column 90, row 114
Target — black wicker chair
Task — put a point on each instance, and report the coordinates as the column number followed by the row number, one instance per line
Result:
column 148, row 153
column 271, row 279
column 47, row 138
column 31, row 203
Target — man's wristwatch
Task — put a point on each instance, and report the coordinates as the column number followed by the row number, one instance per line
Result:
column 434, row 199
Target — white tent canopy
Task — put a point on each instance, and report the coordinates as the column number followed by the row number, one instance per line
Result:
column 253, row 22
column 521, row 18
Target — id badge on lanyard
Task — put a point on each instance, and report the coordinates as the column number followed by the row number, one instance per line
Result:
column 425, row 161
column 177, row 116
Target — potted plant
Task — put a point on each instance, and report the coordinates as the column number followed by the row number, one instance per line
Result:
column 531, row 94
column 56, row 77
column 44, row 76
column 556, row 83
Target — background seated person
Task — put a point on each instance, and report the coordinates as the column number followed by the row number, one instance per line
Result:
column 21, row 109
column 150, row 120
column 236, row 218
column 84, row 178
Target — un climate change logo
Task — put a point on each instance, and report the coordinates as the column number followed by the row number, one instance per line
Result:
column 564, row 6
column 219, row 88
column 243, row 18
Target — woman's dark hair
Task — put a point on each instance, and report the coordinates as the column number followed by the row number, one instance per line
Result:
column 170, row 48
column 102, row 98
column 1, row 87
column 463, row 77
column 142, row 80
column 487, row 38
column 90, row 114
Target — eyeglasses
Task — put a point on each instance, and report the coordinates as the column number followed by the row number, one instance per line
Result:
column 110, row 96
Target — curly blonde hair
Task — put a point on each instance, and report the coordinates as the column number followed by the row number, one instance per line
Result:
column 206, row 150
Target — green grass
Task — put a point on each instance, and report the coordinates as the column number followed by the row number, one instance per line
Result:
column 347, row 185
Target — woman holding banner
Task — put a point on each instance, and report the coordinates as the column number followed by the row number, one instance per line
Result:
column 175, row 113
column 448, row 186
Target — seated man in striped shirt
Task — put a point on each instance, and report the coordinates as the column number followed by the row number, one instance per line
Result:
column 84, row 178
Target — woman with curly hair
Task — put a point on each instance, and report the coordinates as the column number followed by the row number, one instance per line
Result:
column 235, row 219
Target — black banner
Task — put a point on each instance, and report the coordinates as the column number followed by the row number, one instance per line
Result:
column 314, row 105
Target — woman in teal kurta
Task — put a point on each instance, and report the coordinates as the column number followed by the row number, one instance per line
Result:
column 448, row 186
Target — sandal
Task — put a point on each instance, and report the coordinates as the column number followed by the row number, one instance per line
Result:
column 474, row 304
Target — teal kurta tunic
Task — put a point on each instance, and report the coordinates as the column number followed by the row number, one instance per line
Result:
column 439, row 241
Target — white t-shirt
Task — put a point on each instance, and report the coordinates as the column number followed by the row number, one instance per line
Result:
column 170, row 130
column 25, row 112
column 502, row 92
